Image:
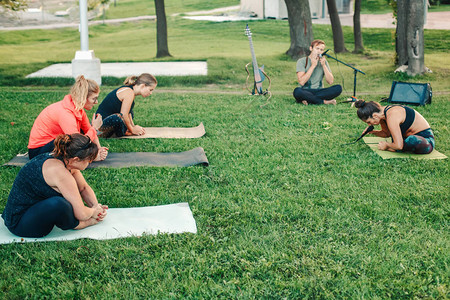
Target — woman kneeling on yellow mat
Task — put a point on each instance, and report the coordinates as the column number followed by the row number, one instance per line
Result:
column 408, row 129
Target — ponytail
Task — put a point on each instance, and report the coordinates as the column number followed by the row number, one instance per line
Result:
column 75, row 145
column 144, row 78
column 81, row 90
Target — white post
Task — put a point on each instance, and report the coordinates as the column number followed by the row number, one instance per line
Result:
column 85, row 63
column 84, row 34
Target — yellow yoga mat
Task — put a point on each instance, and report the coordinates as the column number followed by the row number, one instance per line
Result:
column 170, row 133
column 372, row 142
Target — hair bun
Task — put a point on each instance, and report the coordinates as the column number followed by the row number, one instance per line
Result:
column 360, row 103
column 66, row 138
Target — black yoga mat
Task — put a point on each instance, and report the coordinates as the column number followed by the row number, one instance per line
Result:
column 189, row 158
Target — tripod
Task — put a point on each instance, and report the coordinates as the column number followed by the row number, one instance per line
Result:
column 355, row 72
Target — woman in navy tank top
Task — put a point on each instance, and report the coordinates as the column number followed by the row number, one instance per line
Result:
column 408, row 129
column 117, row 107
column 50, row 189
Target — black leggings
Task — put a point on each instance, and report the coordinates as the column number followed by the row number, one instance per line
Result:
column 32, row 153
column 316, row 96
column 40, row 218
column 113, row 125
column 420, row 143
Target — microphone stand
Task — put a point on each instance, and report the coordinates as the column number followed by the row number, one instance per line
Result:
column 355, row 72
column 370, row 128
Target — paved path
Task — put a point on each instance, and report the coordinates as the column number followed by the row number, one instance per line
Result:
column 76, row 24
column 174, row 68
column 435, row 20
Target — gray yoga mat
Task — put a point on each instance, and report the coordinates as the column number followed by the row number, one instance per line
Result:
column 189, row 158
column 170, row 133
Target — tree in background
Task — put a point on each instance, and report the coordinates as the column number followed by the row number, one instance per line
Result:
column 338, row 35
column 162, row 48
column 300, row 27
column 357, row 34
column 13, row 5
column 409, row 42
column 104, row 3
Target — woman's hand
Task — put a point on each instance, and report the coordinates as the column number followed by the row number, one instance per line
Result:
column 367, row 128
column 101, row 216
column 138, row 130
column 383, row 146
column 97, row 210
column 97, row 121
column 102, row 154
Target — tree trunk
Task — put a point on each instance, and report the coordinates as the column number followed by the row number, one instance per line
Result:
column 357, row 34
column 300, row 27
column 410, row 21
column 400, row 36
column 162, row 48
column 338, row 35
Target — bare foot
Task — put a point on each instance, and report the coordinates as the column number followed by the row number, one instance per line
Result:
column 305, row 102
column 86, row 223
column 333, row 102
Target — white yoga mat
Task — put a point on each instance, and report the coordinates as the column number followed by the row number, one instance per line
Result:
column 121, row 223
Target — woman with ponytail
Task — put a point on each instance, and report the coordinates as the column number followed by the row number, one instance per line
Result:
column 117, row 107
column 408, row 129
column 50, row 189
column 67, row 117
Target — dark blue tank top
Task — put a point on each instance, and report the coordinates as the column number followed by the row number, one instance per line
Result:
column 112, row 105
column 409, row 119
column 28, row 188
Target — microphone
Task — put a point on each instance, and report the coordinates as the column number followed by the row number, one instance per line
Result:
column 325, row 53
column 369, row 129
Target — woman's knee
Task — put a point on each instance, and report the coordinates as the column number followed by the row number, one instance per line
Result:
column 58, row 205
column 417, row 144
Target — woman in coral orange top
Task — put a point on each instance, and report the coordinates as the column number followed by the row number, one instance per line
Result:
column 67, row 117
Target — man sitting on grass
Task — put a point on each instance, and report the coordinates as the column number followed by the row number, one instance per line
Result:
column 310, row 73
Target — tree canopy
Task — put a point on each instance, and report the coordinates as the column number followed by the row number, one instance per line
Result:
column 14, row 5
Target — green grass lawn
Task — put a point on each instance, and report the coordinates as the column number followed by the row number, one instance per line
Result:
column 283, row 211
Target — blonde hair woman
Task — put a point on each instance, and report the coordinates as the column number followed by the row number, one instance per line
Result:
column 117, row 107
column 66, row 117
column 50, row 190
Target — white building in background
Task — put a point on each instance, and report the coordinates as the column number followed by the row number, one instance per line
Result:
column 276, row 9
